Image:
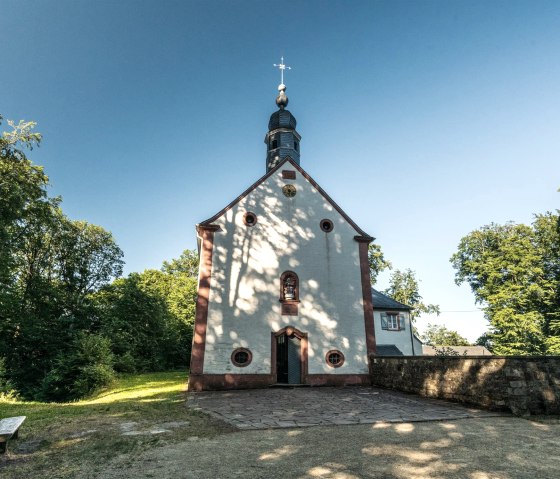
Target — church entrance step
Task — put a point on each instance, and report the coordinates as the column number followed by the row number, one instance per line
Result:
column 286, row 385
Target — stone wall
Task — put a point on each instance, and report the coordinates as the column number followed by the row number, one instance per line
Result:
column 522, row 385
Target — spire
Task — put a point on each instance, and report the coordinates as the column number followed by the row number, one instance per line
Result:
column 282, row 139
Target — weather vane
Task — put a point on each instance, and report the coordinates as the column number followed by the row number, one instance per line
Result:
column 282, row 67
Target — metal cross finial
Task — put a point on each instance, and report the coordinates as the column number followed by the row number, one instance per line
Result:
column 282, row 67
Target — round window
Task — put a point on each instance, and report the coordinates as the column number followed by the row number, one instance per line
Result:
column 335, row 358
column 241, row 357
column 289, row 191
column 327, row 226
column 250, row 219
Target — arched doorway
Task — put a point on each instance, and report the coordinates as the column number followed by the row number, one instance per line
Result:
column 289, row 356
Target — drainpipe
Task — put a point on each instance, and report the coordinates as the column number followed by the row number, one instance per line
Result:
column 411, row 334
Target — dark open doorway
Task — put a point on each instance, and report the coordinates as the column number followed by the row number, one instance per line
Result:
column 288, row 359
column 289, row 356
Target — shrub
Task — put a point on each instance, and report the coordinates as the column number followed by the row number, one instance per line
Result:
column 85, row 368
column 6, row 387
column 125, row 363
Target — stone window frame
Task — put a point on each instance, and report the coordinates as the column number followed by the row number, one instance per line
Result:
column 341, row 358
column 241, row 350
column 283, row 277
column 326, row 225
column 250, row 214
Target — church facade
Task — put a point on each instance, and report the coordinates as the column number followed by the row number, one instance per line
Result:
column 284, row 292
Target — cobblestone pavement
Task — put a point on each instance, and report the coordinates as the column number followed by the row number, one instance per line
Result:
column 301, row 407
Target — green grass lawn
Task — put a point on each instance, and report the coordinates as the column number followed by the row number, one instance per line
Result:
column 70, row 440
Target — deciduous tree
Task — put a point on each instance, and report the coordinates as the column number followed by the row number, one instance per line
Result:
column 377, row 262
column 404, row 287
column 514, row 271
column 441, row 336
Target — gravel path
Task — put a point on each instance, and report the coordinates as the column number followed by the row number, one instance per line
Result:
column 475, row 448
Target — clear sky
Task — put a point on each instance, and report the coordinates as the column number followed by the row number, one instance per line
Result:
column 424, row 120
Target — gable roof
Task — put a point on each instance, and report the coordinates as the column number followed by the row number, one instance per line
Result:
column 382, row 301
column 261, row 180
column 388, row 350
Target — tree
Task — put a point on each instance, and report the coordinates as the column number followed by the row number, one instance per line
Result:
column 23, row 201
column 134, row 314
column 377, row 262
column 441, row 336
column 49, row 266
column 404, row 287
column 150, row 315
column 186, row 264
column 514, row 271
column 87, row 258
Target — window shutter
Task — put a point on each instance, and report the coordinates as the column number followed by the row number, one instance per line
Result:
column 384, row 321
column 402, row 321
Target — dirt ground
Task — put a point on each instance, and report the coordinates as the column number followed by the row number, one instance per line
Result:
column 481, row 448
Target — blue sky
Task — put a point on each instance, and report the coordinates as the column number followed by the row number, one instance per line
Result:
column 424, row 120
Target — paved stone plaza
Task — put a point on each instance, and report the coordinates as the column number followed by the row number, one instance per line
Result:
column 302, row 407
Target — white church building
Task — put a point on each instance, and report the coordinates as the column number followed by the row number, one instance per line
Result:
column 284, row 293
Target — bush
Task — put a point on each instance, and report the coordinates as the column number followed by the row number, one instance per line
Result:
column 84, row 369
column 125, row 363
column 6, row 387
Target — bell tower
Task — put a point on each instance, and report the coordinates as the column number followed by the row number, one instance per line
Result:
column 282, row 139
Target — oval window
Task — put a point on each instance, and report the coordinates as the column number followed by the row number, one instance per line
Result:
column 326, row 226
column 250, row 219
column 335, row 358
column 241, row 357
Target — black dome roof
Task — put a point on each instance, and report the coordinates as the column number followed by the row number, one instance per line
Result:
column 282, row 119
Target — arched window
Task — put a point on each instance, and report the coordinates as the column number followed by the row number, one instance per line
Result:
column 289, row 293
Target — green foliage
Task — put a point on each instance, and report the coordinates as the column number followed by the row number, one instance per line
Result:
column 377, row 262
column 84, row 369
column 514, row 271
column 446, row 351
column 134, row 318
column 49, row 265
column 149, row 317
column 404, row 287
column 6, row 387
column 485, row 340
column 23, row 202
column 441, row 336
column 186, row 264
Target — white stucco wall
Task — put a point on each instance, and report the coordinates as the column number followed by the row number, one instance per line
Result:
column 417, row 347
column 247, row 262
column 401, row 339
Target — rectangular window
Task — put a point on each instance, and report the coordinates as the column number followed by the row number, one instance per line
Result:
column 393, row 321
column 288, row 175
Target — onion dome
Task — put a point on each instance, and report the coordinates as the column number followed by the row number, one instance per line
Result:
column 282, row 138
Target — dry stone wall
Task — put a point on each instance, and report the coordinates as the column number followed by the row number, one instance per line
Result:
column 522, row 385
